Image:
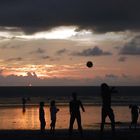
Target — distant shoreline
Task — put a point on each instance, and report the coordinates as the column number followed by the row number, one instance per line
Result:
column 45, row 91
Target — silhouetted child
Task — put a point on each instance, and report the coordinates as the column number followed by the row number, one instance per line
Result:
column 42, row 117
column 75, row 113
column 23, row 102
column 134, row 115
column 106, row 106
column 53, row 111
column 23, row 105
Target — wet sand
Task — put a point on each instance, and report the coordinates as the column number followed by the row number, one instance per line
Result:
column 121, row 134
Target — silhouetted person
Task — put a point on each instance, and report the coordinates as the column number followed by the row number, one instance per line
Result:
column 23, row 105
column 23, row 102
column 53, row 111
column 42, row 117
column 75, row 113
column 134, row 115
column 23, row 110
column 106, row 106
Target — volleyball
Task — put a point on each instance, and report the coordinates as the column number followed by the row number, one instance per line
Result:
column 89, row 64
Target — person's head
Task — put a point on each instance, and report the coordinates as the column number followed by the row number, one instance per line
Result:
column 130, row 106
column 104, row 87
column 41, row 104
column 52, row 103
column 74, row 95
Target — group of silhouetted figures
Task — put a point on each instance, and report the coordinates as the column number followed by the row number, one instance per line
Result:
column 74, row 108
column 53, row 111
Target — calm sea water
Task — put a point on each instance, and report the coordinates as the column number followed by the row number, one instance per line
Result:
column 89, row 95
column 14, row 118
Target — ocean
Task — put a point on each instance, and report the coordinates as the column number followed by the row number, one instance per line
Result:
column 13, row 117
column 89, row 95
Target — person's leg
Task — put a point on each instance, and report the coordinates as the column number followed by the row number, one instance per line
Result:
column 54, row 121
column 135, row 121
column 72, row 119
column 78, row 117
column 131, row 124
column 103, row 117
column 52, row 126
column 42, row 125
column 112, row 119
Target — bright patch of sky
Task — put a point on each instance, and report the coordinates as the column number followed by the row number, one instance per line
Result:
column 66, row 32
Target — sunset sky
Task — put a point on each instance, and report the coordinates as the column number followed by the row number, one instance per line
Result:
column 48, row 42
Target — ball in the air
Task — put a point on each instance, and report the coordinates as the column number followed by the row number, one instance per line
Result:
column 89, row 64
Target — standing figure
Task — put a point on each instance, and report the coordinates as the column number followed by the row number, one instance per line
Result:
column 106, row 106
column 42, row 117
column 24, row 105
column 74, row 106
column 134, row 115
column 53, row 111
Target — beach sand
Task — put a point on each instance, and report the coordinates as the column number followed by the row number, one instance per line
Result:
column 121, row 134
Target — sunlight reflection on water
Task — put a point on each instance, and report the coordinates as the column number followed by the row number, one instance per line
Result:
column 13, row 117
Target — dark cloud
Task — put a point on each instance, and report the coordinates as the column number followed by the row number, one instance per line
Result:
column 62, row 51
column 55, row 59
column 33, row 74
column 132, row 47
column 15, row 59
column 122, row 59
column 38, row 51
column 12, row 29
column 102, row 16
column 111, row 76
column 125, row 76
column 31, row 78
column 6, row 46
column 2, row 38
column 96, row 51
column 45, row 57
